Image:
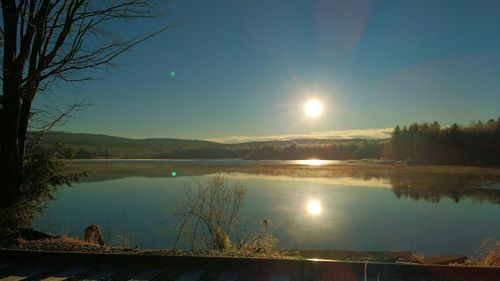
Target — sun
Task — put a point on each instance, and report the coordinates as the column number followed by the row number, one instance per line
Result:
column 313, row 108
column 314, row 207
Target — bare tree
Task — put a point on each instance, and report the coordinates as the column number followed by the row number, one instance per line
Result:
column 45, row 119
column 209, row 219
column 44, row 41
column 210, row 213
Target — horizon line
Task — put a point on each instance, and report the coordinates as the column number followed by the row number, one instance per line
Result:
column 335, row 134
column 382, row 133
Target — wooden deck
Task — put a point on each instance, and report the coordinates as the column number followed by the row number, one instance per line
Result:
column 32, row 265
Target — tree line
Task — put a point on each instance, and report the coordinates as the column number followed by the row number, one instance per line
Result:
column 477, row 144
column 90, row 152
column 358, row 149
column 372, row 149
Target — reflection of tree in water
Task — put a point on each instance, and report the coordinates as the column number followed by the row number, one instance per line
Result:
column 430, row 183
column 433, row 188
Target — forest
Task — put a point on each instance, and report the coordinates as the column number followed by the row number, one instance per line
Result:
column 477, row 144
column 364, row 149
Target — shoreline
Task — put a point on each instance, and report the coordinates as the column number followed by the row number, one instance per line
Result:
column 33, row 240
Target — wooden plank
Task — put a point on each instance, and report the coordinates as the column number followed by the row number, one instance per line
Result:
column 280, row 277
column 13, row 278
column 253, row 274
column 190, row 276
column 102, row 275
column 68, row 273
column 229, row 276
column 248, row 269
column 5, row 264
column 146, row 275
column 26, row 272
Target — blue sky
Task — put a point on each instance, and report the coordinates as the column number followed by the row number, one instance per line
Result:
column 245, row 69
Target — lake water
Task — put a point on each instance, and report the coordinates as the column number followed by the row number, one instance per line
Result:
column 310, row 204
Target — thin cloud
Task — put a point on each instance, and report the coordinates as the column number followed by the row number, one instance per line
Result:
column 342, row 134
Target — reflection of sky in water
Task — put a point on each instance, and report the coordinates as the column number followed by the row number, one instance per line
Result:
column 338, row 181
column 354, row 214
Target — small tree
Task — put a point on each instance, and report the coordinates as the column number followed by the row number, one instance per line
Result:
column 210, row 213
column 45, row 172
column 44, row 41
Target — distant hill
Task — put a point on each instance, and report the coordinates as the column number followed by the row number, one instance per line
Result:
column 78, row 139
column 103, row 146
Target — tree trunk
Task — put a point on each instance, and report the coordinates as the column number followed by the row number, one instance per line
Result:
column 23, row 125
column 10, row 160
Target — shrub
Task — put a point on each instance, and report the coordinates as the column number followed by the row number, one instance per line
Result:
column 209, row 214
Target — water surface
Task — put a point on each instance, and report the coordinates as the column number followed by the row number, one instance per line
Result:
column 361, row 207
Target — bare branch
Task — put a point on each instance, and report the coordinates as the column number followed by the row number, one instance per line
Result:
column 59, row 117
column 99, row 57
column 63, row 39
column 67, row 37
column 211, row 209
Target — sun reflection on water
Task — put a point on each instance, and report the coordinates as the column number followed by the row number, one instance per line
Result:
column 313, row 207
column 315, row 162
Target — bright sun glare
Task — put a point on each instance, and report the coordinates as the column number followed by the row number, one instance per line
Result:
column 314, row 207
column 313, row 108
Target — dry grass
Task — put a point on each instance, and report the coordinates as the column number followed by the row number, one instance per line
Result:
column 63, row 240
column 489, row 253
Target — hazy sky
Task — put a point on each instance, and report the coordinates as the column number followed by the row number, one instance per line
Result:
column 245, row 68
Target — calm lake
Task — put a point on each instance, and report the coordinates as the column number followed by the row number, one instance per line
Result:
column 310, row 204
